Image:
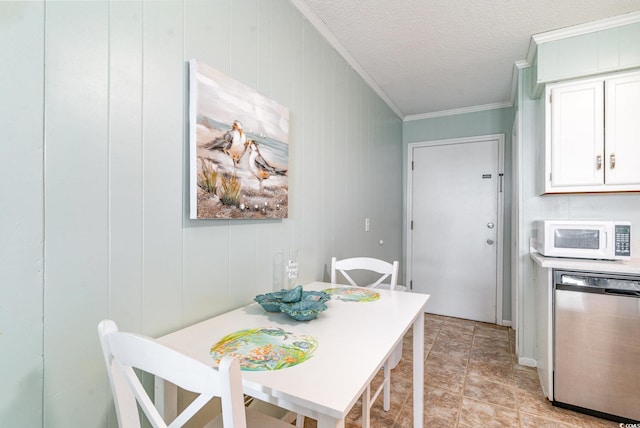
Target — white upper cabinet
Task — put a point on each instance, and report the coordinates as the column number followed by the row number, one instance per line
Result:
column 592, row 141
column 622, row 134
column 577, row 134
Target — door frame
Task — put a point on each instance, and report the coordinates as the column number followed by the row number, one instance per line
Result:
column 500, row 209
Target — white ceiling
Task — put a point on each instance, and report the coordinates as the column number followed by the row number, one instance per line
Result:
column 428, row 56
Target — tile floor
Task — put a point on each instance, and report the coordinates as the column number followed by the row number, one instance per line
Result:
column 472, row 379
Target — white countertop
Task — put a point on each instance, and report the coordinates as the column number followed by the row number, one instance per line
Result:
column 611, row 266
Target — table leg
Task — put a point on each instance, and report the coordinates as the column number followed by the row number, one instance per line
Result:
column 329, row 422
column 418, row 371
column 166, row 399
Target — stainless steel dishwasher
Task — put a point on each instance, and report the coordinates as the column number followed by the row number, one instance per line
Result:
column 597, row 344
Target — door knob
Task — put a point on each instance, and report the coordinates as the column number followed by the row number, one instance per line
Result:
column 490, row 241
column 490, row 225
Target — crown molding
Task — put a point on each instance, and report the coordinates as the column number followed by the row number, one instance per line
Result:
column 589, row 27
column 319, row 25
column 534, row 42
column 453, row 112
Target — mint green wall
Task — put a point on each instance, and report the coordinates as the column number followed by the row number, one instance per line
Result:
column 21, row 216
column 498, row 121
column 530, row 117
column 94, row 166
column 601, row 51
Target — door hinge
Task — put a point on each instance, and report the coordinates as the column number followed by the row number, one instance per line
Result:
column 411, row 285
column 411, row 224
column 411, row 165
column 550, row 97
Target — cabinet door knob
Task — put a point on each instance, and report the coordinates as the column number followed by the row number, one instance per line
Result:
column 599, row 162
column 612, row 161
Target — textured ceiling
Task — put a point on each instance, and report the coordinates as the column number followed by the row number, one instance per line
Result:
column 431, row 56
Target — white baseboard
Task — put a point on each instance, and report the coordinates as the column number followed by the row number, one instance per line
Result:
column 529, row 362
column 506, row 323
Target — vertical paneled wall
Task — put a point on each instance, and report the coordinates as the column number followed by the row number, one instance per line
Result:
column 21, row 228
column 95, row 148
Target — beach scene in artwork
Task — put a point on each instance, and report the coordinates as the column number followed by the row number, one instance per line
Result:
column 239, row 149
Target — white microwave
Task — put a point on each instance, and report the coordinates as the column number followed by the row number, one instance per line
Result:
column 597, row 239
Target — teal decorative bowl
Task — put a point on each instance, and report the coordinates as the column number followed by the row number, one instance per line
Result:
column 298, row 304
column 269, row 303
column 316, row 296
column 293, row 295
column 303, row 310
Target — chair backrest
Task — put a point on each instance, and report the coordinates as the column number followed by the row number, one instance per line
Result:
column 125, row 351
column 385, row 269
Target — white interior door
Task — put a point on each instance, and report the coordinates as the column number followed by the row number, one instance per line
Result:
column 455, row 226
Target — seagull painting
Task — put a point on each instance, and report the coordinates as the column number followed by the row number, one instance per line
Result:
column 232, row 142
column 259, row 166
column 238, row 149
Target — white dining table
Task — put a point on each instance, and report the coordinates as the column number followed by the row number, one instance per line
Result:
column 354, row 340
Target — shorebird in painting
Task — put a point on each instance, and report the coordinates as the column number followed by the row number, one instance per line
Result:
column 231, row 142
column 259, row 166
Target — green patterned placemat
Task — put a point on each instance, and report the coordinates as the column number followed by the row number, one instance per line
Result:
column 353, row 294
column 270, row 348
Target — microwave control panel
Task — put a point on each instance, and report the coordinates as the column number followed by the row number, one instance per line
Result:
column 623, row 240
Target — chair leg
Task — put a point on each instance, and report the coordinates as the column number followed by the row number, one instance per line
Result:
column 386, row 405
column 299, row 421
column 366, row 407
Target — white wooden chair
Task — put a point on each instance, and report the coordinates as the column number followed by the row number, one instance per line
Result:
column 386, row 270
column 125, row 351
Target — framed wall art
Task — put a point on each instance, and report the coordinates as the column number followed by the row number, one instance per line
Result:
column 239, row 149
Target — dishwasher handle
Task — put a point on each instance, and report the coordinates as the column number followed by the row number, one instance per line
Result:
column 626, row 293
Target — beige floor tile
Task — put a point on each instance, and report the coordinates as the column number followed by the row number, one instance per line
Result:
column 533, row 421
column 488, row 343
column 451, row 345
column 494, row 356
column 441, row 404
column 536, row 404
column 479, row 414
column 526, row 379
column 459, row 321
column 491, row 330
column 405, row 418
column 448, row 377
column 491, row 392
column 448, row 357
column 456, row 333
column 496, row 372
column 382, row 419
